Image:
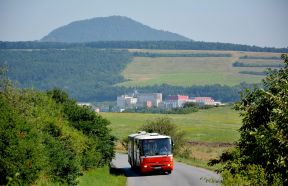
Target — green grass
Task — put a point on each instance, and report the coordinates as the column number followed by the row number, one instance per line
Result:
column 209, row 127
column 93, row 177
column 189, row 71
column 101, row 177
column 213, row 125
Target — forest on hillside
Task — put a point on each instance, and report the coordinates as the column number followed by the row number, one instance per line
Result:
column 90, row 74
column 78, row 71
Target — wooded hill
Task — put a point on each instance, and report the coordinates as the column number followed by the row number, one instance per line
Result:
column 113, row 28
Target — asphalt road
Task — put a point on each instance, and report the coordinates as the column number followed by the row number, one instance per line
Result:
column 183, row 175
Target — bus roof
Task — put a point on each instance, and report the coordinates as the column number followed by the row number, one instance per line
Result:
column 143, row 135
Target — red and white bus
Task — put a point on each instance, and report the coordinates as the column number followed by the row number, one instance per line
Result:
column 150, row 152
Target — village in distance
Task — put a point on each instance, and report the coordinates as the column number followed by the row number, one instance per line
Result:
column 139, row 101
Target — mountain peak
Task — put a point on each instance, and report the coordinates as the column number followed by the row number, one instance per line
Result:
column 112, row 28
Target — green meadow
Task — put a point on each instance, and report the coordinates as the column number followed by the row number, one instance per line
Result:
column 189, row 71
column 218, row 124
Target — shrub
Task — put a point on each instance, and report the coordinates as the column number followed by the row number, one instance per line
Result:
column 164, row 125
column 20, row 145
column 84, row 119
column 46, row 139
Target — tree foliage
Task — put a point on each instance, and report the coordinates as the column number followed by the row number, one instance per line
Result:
column 165, row 126
column 40, row 138
column 73, row 70
column 94, row 126
column 264, row 133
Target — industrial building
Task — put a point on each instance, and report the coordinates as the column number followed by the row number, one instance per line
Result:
column 139, row 100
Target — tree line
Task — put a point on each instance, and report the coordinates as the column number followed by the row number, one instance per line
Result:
column 261, row 57
column 169, row 45
column 152, row 54
column 241, row 64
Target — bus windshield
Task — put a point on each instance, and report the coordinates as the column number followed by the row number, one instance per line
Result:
column 154, row 147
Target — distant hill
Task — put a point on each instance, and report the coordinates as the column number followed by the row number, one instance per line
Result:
column 113, row 28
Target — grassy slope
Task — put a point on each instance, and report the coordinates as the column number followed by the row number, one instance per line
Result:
column 188, row 71
column 213, row 125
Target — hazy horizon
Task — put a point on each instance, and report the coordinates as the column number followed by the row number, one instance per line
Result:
column 258, row 22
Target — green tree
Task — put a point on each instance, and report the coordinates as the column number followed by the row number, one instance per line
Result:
column 20, row 146
column 264, row 133
column 48, row 137
column 100, row 150
column 165, row 126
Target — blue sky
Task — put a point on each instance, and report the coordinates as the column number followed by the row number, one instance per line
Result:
column 253, row 22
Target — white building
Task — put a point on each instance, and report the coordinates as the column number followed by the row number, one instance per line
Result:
column 149, row 99
column 203, row 100
column 92, row 106
column 124, row 102
column 177, row 101
column 84, row 104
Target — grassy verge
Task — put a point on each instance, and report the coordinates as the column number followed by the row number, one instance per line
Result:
column 93, row 177
column 101, row 177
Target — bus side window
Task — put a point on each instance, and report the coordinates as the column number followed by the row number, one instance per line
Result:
column 138, row 146
column 135, row 148
column 129, row 145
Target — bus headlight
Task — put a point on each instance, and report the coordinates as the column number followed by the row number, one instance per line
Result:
column 145, row 166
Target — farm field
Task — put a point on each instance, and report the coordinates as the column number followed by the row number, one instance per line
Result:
column 189, row 71
column 213, row 125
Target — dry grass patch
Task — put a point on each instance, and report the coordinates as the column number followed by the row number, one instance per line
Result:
column 200, row 153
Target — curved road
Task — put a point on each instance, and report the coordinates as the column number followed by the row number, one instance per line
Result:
column 183, row 175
